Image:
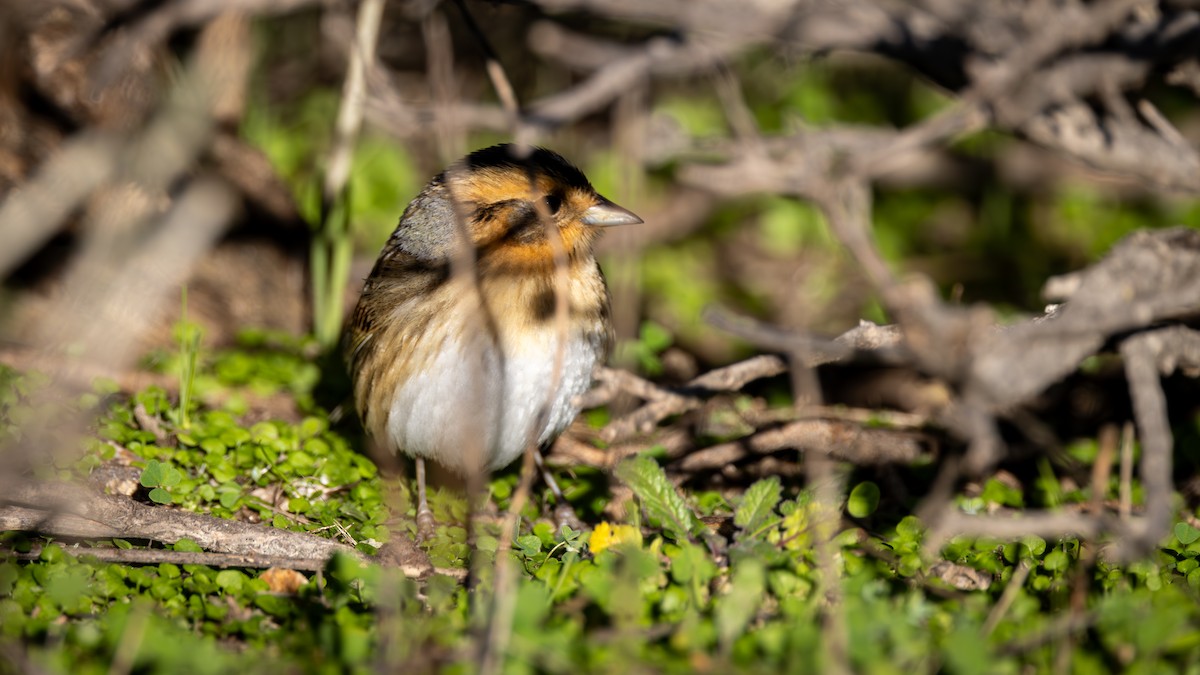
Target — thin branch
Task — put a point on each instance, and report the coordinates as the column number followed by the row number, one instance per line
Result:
column 360, row 60
column 1011, row 591
column 76, row 511
column 863, row 446
column 139, row 556
column 495, row 70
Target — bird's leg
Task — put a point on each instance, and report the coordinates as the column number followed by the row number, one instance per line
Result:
column 426, row 525
column 564, row 514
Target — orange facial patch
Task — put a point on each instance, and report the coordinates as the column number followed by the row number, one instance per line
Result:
column 497, row 192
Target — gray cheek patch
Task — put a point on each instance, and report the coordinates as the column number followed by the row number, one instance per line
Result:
column 423, row 232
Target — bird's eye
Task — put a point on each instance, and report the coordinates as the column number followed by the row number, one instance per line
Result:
column 553, row 203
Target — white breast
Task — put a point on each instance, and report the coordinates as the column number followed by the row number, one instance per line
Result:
column 475, row 407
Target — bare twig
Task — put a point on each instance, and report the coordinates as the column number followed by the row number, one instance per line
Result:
column 30, row 216
column 1011, row 591
column 847, row 442
column 499, row 78
column 1050, row 526
column 75, row 511
column 1102, row 468
column 665, row 403
column 140, row 556
column 1145, row 356
column 1125, row 497
column 360, row 61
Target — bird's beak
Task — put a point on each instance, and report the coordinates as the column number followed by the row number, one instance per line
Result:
column 607, row 214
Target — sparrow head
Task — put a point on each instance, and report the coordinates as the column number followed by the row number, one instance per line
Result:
column 506, row 202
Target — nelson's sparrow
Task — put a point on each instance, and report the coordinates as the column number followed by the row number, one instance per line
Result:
column 466, row 365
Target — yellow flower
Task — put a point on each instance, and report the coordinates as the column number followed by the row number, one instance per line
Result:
column 606, row 535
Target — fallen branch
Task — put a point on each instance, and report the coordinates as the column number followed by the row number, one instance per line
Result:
column 73, row 510
column 77, row 512
column 843, row 441
column 155, row 556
